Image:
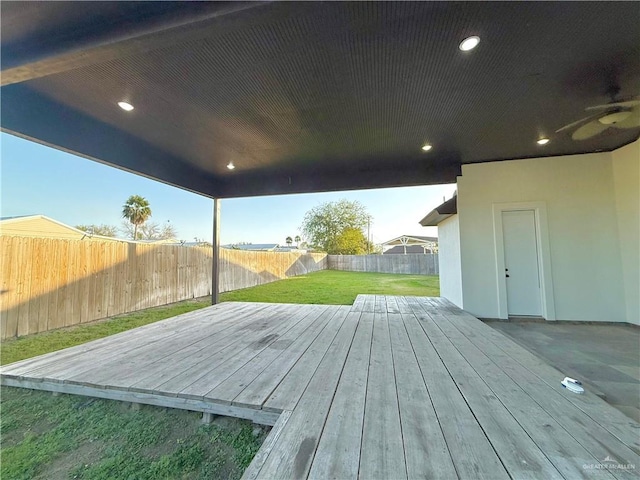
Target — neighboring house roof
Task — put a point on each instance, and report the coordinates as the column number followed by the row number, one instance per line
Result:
column 403, row 243
column 42, row 226
column 38, row 226
column 410, row 240
column 291, row 249
column 441, row 212
column 261, row 247
column 399, row 249
column 162, row 241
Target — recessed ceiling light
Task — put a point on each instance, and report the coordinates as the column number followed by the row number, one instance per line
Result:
column 469, row 43
column 125, row 106
column 426, row 147
column 543, row 141
column 230, row 166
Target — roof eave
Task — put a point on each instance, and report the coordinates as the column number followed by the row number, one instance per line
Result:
column 441, row 213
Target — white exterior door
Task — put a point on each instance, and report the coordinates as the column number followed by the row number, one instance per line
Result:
column 521, row 263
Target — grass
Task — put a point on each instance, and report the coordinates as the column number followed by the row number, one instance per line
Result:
column 47, row 437
column 336, row 288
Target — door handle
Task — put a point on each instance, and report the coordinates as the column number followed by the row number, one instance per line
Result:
column 507, row 275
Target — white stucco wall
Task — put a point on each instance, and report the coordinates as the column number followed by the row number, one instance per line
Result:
column 626, row 180
column 449, row 260
column 581, row 203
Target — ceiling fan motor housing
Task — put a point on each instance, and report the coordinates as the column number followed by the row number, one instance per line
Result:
column 615, row 117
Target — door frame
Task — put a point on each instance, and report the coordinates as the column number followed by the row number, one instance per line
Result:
column 544, row 256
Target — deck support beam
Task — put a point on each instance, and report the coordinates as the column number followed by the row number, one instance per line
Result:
column 207, row 418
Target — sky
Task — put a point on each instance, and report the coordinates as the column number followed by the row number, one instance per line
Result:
column 36, row 179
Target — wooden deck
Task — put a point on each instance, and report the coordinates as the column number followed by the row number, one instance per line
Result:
column 390, row 388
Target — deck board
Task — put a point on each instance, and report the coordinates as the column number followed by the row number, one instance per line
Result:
column 519, row 454
column 470, row 450
column 382, row 454
column 292, row 455
column 288, row 392
column 338, row 452
column 257, row 392
column 563, row 450
column 391, row 387
column 425, row 447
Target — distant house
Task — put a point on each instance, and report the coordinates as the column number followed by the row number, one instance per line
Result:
column 42, row 226
column 256, row 247
column 265, row 247
column 407, row 244
column 293, row 249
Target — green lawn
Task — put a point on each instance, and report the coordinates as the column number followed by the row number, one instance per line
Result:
column 47, row 437
column 336, row 288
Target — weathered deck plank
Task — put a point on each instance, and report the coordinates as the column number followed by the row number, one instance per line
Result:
column 290, row 389
column 595, row 439
column 229, row 388
column 338, row 452
column 182, row 362
column 382, row 454
column 252, row 342
column 122, row 369
column 425, row 447
column 122, row 339
column 471, row 453
column 518, row 453
column 597, row 410
column 562, row 449
column 293, row 454
column 263, row 385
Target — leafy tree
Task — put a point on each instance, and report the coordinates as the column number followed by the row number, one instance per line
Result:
column 326, row 223
column 137, row 211
column 350, row 242
column 289, row 241
column 102, row 229
column 297, row 240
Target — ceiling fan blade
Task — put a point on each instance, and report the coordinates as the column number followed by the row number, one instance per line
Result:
column 589, row 130
column 578, row 122
column 632, row 121
column 626, row 104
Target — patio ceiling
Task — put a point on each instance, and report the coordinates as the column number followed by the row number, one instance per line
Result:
column 305, row 97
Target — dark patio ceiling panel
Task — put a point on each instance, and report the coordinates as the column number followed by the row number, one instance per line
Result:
column 316, row 96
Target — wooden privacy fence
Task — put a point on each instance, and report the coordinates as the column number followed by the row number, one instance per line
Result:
column 52, row 283
column 242, row 269
column 417, row 264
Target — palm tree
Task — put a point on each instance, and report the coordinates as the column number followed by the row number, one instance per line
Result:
column 297, row 239
column 289, row 241
column 137, row 211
